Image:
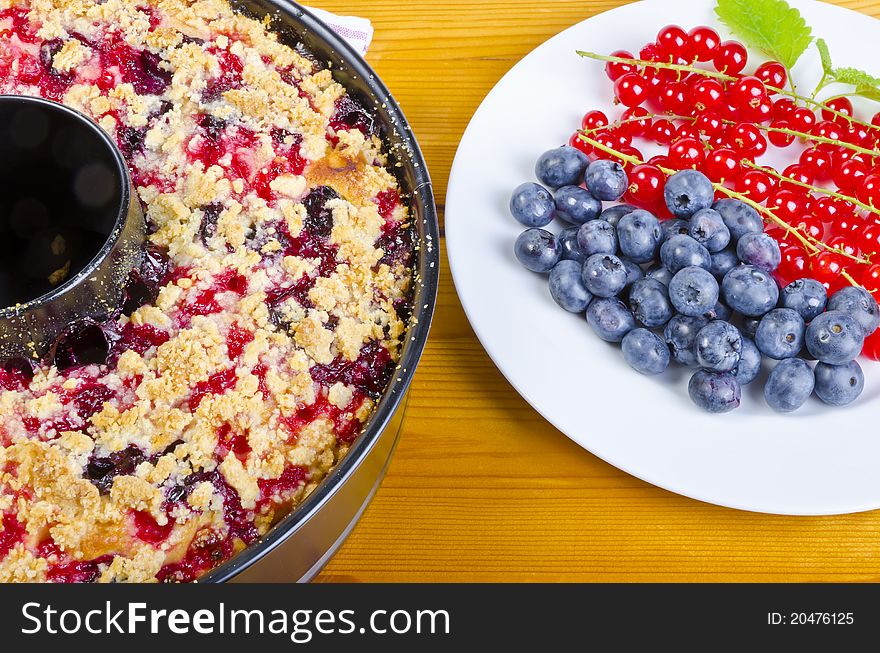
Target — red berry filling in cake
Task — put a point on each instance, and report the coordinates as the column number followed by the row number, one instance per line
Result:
column 264, row 322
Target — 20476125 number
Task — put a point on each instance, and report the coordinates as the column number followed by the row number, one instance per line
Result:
column 810, row 618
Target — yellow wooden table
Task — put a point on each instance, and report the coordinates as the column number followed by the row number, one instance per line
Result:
column 481, row 487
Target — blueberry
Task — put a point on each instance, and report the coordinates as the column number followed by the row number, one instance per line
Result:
column 674, row 227
column 740, row 218
column 749, row 291
column 683, row 251
column 661, row 273
column 576, row 205
column 597, row 237
column 567, row 288
column 610, row 319
column 537, row 249
column 760, row 250
column 806, row 296
column 649, row 301
column 835, row 338
column 749, row 362
column 687, row 192
column 680, row 334
column 645, row 352
column 532, row 205
column 715, row 392
column 693, row 291
column 604, row 275
column 606, row 180
column 613, row 214
column 839, row 385
column 781, row 334
column 708, row 229
column 858, row 303
column 721, row 312
column 750, row 326
column 638, row 236
column 789, row 385
column 633, row 272
column 568, row 245
column 562, row 166
column 718, row 346
column 723, row 262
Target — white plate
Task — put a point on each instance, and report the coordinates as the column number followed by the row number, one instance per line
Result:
column 816, row 461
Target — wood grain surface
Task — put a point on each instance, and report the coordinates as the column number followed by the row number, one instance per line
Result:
column 481, row 488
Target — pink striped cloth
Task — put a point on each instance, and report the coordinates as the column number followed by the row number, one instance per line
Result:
column 357, row 31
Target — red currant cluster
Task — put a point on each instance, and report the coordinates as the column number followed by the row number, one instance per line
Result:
column 716, row 119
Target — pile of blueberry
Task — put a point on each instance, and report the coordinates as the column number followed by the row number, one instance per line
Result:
column 697, row 289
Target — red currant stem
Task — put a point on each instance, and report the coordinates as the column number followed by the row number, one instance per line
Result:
column 813, row 248
column 724, row 77
column 618, row 123
column 780, row 130
column 628, row 158
column 812, row 245
column 634, row 160
column 818, row 189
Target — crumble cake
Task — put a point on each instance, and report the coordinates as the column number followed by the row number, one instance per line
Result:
column 262, row 326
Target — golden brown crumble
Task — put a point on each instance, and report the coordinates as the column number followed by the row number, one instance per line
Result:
column 243, row 380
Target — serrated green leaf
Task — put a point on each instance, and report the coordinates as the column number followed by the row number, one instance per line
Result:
column 772, row 26
column 854, row 76
column 825, row 55
column 870, row 92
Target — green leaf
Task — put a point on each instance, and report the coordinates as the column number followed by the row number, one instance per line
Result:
column 870, row 92
column 854, row 76
column 822, row 46
column 772, row 26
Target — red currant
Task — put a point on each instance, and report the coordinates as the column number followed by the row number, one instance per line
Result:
column 849, row 175
column 756, row 184
column 687, row 131
column 783, row 107
column 675, row 98
column 722, row 165
column 868, row 192
column 802, row 120
column 875, row 119
column 709, row 124
column 840, row 105
column 826, row 267
column 869, row 239
column 660, row 161
column 730, row 57
column 576, row 142
column 617, row 69
column 828, row 130
column 673, row 40
column 706, row 94
column 812, row 226
column 594, row 120
column 631, row 90
column 818, row 162
column 686, row 153
column 646, row 183
column 747, row 92
column 662, row 132
column 844, row 244
column 628, row 151
column 829, row 209
column 872, row 345
column 794, row 265
column 704, row 42
column 779, row 139
column 788, row 205
column 635, row 121
column 799, row 172
column 871, row 279
column 772, row 73
column 761, row 113
column 849, row 225
column 748, row 139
